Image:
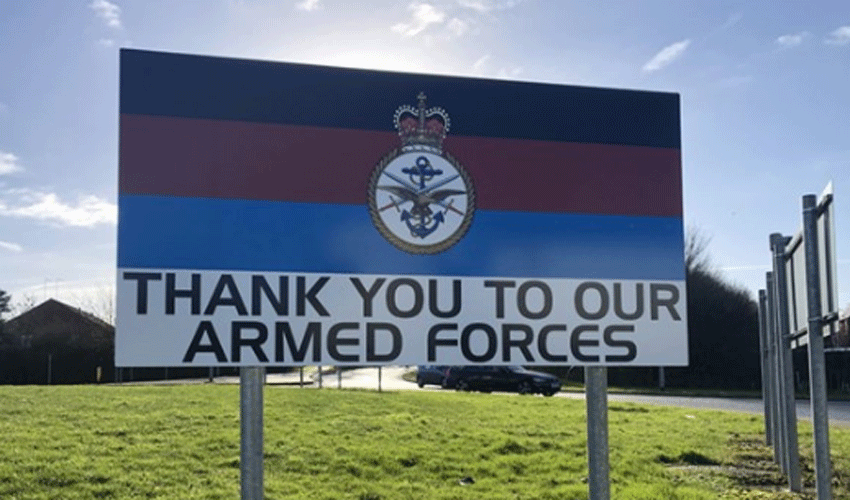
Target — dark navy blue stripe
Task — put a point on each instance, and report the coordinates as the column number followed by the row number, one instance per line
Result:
column 164, row 84
column 205, row 233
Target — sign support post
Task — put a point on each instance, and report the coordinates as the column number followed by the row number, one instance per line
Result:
column 596, row 392
column 251, row 418
column 779, row 242
column 764, row 351
column 817, row 369
column 773, row 365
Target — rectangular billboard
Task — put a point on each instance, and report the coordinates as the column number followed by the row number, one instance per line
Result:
column 286, row 214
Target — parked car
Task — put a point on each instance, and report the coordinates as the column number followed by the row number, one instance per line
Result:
column 500, row 378
column 430, row 374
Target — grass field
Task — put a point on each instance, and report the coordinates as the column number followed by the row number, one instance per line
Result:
column 182, row 442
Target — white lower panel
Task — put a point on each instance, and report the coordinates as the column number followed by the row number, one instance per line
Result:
column 223, row 318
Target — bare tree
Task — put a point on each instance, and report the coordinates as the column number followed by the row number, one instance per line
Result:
column 4, row 308
column 697, row 259
column 101, row 303
column 23, row 305
column 4, row 303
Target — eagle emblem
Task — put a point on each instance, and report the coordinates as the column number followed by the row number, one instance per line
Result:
column 420, row 198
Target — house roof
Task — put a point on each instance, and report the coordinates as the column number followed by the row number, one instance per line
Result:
column 53, row 321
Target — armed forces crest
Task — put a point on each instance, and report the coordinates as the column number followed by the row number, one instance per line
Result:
column 420, row 198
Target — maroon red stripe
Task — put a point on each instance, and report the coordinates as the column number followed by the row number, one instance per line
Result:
column 229, row 159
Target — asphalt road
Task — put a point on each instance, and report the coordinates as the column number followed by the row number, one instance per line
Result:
column 391, row 380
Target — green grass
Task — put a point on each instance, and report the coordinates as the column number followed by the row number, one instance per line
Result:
column 182, row 442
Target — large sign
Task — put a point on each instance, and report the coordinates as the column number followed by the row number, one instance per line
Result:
column 287, row 214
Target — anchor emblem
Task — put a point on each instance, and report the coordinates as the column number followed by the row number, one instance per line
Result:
column 430, row 192
column 421, row 219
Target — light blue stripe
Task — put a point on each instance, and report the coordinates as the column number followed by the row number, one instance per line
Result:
column 202, row 233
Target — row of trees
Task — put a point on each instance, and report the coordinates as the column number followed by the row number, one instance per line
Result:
column 723, row 326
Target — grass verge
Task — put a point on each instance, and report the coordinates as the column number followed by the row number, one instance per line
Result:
column 83, row 442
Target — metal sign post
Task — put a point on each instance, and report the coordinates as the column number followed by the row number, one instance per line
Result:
column 596, row 391
column 817, row 369
column 773, row 367
column 764, row 350
column 251, row 445
column 786, row 375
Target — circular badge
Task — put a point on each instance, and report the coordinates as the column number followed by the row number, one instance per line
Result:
column 421, row 201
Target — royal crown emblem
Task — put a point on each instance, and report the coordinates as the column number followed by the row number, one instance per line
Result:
column 420, row 128
column 420, row 198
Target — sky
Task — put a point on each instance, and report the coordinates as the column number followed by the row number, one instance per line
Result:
column 765, row 105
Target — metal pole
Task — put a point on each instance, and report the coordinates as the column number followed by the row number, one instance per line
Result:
column 251, row 413
column 300, row 376
column 777, row 409
column 782, row 381
column 338, row 378
column 779, row 242
column 379, row 379
column 817, row 368
column 320, row 376
column 596, row 392
column 765, row 373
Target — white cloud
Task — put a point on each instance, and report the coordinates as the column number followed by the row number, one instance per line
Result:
column 12, row 247
column 841, row 36
column 109, row 12
column 308, row 5
column 666, row 56
column 457, row 27
column 106, row 42
column 791, row 40
column 8, row 163
column 88, row 211
column 478, row 66
column 424, row 15
column 485, row 6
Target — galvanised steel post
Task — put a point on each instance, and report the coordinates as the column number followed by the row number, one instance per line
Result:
column 596, row 392
column 764, row 359
column 779, row 243
column 817, row 368
column 777, row 409
column 251, row 445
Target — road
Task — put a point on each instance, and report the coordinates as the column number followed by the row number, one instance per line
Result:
column 391, row 380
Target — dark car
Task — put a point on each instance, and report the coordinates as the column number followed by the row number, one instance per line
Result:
column 501, row 378
column 430, row 374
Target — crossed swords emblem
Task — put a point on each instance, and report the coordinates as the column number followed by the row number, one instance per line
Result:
column 420, row 219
